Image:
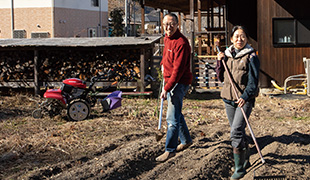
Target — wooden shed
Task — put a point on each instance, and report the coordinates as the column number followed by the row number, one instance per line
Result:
column 279, row 30
column 48, row 61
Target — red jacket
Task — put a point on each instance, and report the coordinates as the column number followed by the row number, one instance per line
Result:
column 176, row 61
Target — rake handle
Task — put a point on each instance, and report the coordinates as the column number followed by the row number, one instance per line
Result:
column 244, row 115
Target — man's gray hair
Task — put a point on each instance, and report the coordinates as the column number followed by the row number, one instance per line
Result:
column 174, row 16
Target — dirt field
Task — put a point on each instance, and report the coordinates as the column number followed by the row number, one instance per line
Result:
column 121, row 144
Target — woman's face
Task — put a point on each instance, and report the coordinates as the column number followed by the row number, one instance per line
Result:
column 239, row 39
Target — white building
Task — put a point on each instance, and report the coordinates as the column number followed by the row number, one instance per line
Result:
column 53, row 18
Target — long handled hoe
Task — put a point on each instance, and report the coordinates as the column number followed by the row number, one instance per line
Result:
column 160, row 134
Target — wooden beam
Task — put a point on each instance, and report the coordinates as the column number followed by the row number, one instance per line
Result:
column 199, row 26
column 212, row 14
column 162, row 31
column 164, row 5
column 161, row 21
column 225, row 24
column 36, row 72
column 219, row 15
column 142, row 69
column 192, row 37
column 192, row 27
column 204, row 13
column 179, row 19
column 208, row 14
column 142, row 19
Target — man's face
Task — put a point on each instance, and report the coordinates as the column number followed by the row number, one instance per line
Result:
column 170, row 25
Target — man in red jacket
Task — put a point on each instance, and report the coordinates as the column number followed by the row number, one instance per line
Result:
column 177, row 75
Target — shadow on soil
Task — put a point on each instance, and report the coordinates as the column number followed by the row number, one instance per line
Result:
column 290, row 96
column 204, row 95
column 296, row 138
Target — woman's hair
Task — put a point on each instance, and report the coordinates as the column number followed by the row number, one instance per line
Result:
column 175, row 17
column 235, row 28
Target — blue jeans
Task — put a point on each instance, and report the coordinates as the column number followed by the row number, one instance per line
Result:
column 237, row 123
column 177, row 127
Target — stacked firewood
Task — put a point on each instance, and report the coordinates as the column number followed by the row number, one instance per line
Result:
column 55, row 66
column 16, row 66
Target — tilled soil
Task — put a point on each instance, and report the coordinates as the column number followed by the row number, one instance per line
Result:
column 121, row 144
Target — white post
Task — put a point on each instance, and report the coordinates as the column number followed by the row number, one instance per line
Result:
column 126, row 14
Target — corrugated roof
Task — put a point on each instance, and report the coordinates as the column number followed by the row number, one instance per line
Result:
column 78, row 42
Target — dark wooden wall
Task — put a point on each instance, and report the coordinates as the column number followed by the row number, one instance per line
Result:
column 278, row 63
column 243, row 12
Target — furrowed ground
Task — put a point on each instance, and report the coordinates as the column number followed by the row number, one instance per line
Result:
column 121, row 144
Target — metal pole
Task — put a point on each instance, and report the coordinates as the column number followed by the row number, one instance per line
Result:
column 100, row 20
column 53, row 18
column 126, row 14
column 12, row 17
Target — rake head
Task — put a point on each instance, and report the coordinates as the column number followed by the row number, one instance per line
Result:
column 279, row 177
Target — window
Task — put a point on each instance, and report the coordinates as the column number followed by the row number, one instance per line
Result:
column 19, row 33
column 290, row 32
column 40, row 35
column 95, row 3
column 284, row 32
column 92, row 32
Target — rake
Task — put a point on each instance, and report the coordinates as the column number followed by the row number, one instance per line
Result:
column 242, row 110
column 279, row 177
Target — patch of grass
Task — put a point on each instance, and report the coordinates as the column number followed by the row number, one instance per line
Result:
column 146, row 102
column 280, row 119
column 14, row 124
column 302, row 118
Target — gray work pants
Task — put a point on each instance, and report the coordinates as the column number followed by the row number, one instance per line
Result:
column 237, row 123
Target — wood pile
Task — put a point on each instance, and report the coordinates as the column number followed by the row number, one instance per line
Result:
column 16, row 66
column 55, row 66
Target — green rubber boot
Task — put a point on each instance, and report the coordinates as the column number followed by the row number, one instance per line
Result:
column 239, row 157
column 247, row 154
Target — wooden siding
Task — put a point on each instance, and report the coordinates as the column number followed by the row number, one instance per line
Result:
column 277, row 63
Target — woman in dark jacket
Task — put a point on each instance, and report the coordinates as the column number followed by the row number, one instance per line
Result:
column 243, row 66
